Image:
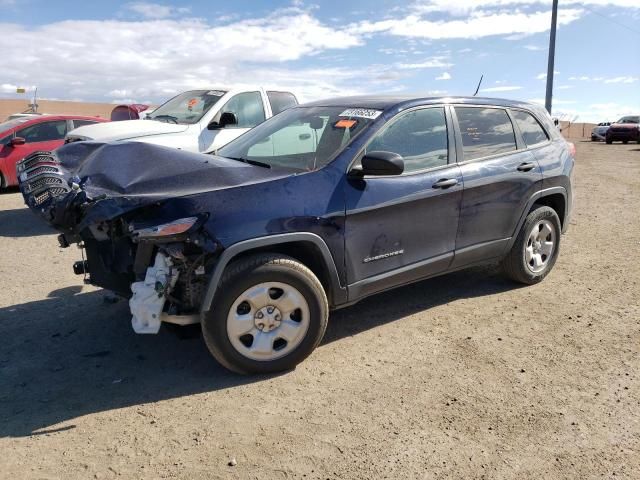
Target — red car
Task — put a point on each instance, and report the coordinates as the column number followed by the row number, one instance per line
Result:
column 625, row 129
column 21, row 136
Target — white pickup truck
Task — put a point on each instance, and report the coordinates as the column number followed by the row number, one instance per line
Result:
column 196, row 121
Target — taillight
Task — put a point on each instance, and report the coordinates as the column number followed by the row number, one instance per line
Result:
column 572, row 149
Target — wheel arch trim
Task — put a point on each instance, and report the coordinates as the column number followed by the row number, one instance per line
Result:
column 532, row 200
column 338, row 292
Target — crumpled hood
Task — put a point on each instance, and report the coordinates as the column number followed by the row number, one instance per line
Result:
column 127, row 129
column 114, row 178
column 135, row 169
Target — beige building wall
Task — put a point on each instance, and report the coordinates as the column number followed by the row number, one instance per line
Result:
column 9, row 107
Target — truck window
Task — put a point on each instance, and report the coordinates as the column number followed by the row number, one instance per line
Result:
column 485, row 131
column 532, row 132
column 280, row 101
column 247, row 107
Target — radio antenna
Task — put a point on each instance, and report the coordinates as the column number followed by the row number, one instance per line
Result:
column 479, row 83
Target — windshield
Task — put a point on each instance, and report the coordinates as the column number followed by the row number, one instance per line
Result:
column 301, row 138
column 9, row 124
column 188, row 107
column 629, row 120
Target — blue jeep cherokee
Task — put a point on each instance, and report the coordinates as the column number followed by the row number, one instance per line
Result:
column 314, row 209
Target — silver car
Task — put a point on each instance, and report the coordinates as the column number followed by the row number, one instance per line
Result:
column 599, row 132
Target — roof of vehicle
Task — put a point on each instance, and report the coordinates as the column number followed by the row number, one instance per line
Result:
column 384, row 102
column 26, row 121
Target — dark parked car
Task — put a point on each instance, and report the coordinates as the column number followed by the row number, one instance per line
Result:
column 625, row 129
column 314, row 209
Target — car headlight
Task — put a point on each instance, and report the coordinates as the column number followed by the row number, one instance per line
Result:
column 170, row 229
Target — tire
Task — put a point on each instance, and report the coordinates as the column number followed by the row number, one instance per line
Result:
column 259, row 298
column 609, row 142
column 594, row 139
column 625, row 141
column 529, row 262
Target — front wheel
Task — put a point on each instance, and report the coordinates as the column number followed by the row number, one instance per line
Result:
column 608, row 141
column 536, row 248
column 269, row 314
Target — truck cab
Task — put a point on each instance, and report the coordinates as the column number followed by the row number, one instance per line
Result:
column 196, row 120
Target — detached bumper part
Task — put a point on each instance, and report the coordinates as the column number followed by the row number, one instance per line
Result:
column 149, row 298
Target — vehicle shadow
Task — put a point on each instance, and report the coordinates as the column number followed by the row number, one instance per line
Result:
column 74, row 353
column 421, row 296
column 22, row 222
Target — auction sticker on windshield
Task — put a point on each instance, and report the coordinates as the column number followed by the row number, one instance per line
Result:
column 361, row 113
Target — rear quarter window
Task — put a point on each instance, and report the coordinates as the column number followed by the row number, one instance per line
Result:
column 531, row 130
column 82, row 123
column 485, row 131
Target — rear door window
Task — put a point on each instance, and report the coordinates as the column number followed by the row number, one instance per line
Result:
column 280, row 101
column 485, row 131
column 532, row 132
column 44, row 132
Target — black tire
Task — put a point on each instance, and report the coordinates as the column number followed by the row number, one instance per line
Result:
column 625, row 141
column 594, row 139
column 609, row 142
column 246, row 273
column 514, row 264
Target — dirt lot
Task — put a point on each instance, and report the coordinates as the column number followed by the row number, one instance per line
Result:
column 465, row 376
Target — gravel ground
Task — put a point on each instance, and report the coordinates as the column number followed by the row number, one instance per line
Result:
column 463, row 376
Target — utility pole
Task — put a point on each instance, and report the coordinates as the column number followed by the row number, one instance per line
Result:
column 552, row 54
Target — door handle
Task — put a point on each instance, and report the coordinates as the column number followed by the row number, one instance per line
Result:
column 525, row 167
column 445, row 183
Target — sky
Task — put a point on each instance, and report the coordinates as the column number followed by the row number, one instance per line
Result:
column 148, row 51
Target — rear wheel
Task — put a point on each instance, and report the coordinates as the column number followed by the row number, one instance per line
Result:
column 536, row 248
column 609, row 141
column 625, row 141
column 269, row 314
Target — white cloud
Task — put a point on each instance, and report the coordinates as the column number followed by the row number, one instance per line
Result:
column 155, row 10
column 505, row 88
column 624, row 79
column 620, row 79
column 156, row 59
column 433, row 62
column 534, row 48
column 444, row 76
column 464, row 7
column 477, row 25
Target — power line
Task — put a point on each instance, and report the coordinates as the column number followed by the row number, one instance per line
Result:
column 637, row 32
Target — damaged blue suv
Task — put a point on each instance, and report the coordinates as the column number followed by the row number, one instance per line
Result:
column 312, row 210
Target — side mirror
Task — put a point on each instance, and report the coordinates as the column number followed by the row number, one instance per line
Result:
column 381, row 163
column 14, row 142
column 226, row 119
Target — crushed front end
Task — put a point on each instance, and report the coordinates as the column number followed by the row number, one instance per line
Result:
column 132, row 241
